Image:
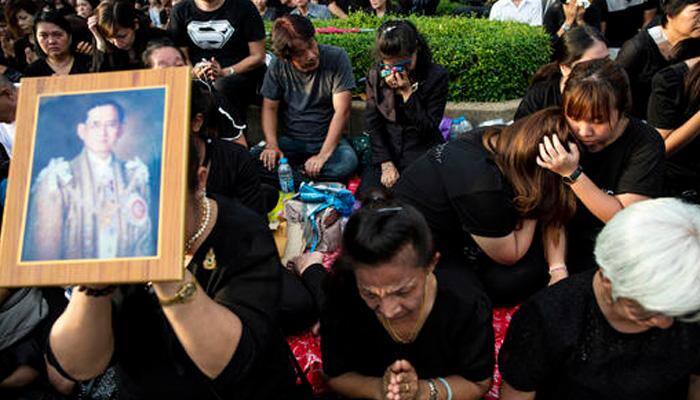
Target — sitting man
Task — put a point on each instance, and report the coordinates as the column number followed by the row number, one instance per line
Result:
column 94, row 206
column 309, row 84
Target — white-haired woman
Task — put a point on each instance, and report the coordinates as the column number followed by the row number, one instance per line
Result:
column 624, row 331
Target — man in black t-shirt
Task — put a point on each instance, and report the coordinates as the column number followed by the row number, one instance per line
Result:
column 225, row 40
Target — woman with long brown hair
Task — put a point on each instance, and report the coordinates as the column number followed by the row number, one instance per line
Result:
column 621, row 160
column 485, row 198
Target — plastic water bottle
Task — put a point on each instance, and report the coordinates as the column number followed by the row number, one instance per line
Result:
column 459, row 127
column 285, row 175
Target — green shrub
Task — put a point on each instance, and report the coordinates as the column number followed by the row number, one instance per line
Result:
column 487, row 60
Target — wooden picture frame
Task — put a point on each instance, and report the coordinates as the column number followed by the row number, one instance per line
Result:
column 89, row 200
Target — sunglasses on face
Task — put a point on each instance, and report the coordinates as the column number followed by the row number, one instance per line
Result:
column 388, row 69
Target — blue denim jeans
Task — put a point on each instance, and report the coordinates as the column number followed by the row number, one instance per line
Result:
column 340, row 165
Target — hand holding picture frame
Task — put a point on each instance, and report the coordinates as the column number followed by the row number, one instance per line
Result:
column 97, row 181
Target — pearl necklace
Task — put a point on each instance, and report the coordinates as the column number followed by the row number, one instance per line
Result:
column 202, row 227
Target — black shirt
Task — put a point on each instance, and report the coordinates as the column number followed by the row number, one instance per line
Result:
column 641, row 59
column 560, row 345
column 634, row 163
column 460, row 191
column 151, row 362
column 115, row 59
column 233, row 173
column 81, row 65
column 669, row 108
column 456, row 338
column 540, row 95
column 401, row 132
column 621, row 25
column 223, row 33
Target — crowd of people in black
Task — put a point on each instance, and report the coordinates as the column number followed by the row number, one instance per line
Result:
column 583, row 212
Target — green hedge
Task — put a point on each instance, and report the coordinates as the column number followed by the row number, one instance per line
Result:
column 487, row 60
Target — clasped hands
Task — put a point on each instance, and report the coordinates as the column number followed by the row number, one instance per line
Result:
column 400, row 382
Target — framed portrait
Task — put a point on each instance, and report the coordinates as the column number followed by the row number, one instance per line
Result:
column 96, row 189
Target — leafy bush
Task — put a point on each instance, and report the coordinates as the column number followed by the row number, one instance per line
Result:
column 487, row 60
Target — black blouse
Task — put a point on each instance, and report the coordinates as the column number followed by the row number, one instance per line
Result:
column 81, row 65
column 560, row 345
column 641, row 59
column 401, row 132
column 460, row 191
column 669, row 108
column 234, row 173
column 151, row 362
column 540, row 95
column 456, row 338
column 634, row 163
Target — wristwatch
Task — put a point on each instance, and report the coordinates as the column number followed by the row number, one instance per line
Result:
column 183, row 295
column 569, row 180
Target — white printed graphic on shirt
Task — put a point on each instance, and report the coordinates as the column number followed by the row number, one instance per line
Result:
column 210, row 34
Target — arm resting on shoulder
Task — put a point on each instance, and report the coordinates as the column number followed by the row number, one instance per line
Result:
column 508, row 249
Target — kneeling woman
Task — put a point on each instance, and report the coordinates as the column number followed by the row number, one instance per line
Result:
column 206, row 337
column 390, row 327
column 484, row 197
column 406, row 97
column 625, row 331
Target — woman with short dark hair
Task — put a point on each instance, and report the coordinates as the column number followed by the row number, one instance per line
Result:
column 390, row 328
column 621, row 160
column 56, row 52
column 406, row 97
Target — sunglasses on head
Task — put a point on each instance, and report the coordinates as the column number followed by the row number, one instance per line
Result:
column 388, row 69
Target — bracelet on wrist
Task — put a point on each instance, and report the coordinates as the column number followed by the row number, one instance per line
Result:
column 447, row 387
column 559, row 267
column 432, row 390
column 183, row 295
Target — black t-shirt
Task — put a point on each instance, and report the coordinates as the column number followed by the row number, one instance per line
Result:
column 669, row 108
column 81, row 65
column 151, row 362
column 641, row 59
column 539, row 96
column 234, row 173
column 223, row 33
column 624, row 21
column 460, row 191
column 560, row 345
column 634, row 163
column 456, row 338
